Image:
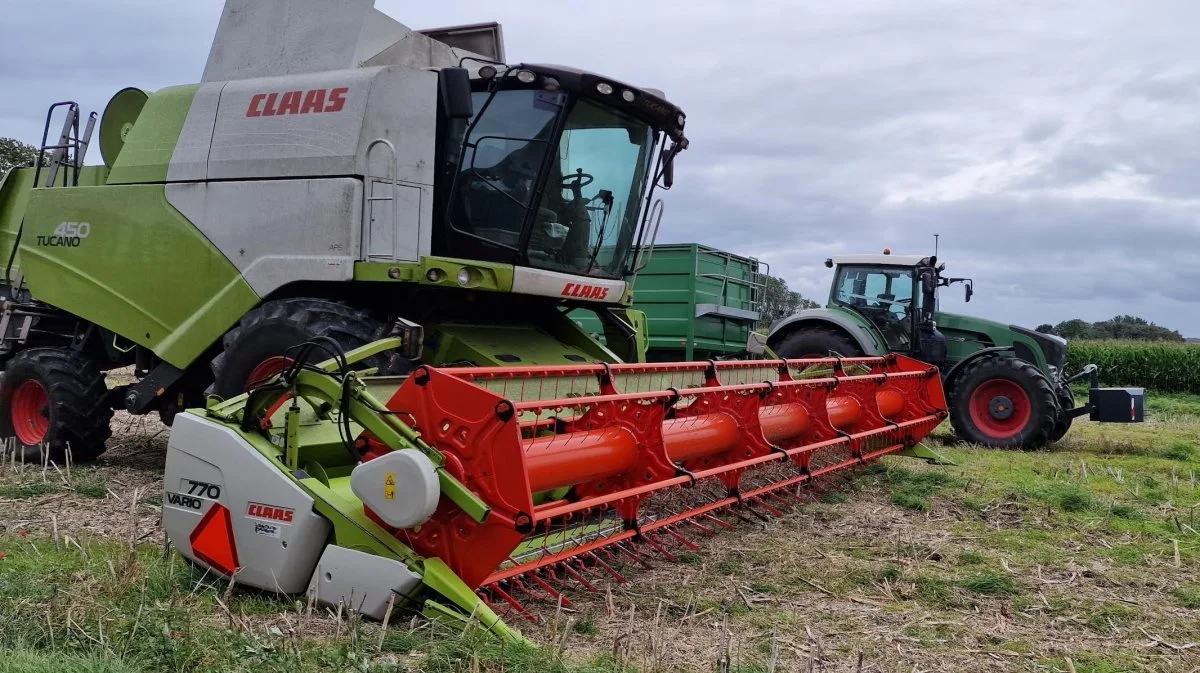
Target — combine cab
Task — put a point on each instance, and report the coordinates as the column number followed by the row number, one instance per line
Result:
column 467, row 491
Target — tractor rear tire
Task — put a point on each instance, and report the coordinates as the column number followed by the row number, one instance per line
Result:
column 817, row 342
column 255, row 349
column 1003, row 402
column 1066, row 402
column 56, row 398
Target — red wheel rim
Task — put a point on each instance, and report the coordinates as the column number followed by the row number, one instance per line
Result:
column 268, row 368
column 1000, row 408
column 31, row 412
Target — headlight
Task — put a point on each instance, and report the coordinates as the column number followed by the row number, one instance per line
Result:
column 604, row 88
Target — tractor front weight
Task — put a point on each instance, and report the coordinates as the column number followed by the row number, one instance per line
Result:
column 487, row 487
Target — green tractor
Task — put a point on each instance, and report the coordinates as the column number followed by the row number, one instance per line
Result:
column 1006, row 384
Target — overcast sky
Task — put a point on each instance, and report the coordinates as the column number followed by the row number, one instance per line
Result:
column 1052, row 143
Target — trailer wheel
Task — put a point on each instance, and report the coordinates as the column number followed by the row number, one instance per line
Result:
column 1003, row 402
column 817, row 342
column 55, row 397
column 1066, row 402
column 256, row 349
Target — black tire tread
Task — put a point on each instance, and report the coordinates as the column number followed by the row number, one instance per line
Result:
column 349, row 326
column 1042, row 396
column 790, row 346
column 1062, row 424
column 80, row 413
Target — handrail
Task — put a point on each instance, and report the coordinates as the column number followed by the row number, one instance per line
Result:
column 369, row 198
column 656, row 214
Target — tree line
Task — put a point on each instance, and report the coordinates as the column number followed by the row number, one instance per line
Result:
column 777, row 301
column 15, row 154
column 1119, row 327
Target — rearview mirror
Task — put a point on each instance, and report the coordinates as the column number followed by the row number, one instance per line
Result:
column 455, row 84
column 668, row 172
column 968, row 292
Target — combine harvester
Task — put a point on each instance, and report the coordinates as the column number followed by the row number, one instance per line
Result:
column 364, row 243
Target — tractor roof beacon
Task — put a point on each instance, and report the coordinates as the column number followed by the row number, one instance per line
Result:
column 344, row 178
column 1006, row 384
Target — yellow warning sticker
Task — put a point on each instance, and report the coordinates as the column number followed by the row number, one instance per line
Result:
column 389, row 486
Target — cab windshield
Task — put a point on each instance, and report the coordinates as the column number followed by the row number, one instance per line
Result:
column 558, row 179
column 883, row 295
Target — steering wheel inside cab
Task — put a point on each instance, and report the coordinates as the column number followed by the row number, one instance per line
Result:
column 577, row 181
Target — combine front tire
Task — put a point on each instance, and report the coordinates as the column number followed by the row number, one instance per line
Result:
column 55, row 397
column 817, row 342
column 256, row 349
column 1003, row 402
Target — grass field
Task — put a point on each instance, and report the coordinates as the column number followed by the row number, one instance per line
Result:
column 1081, row 558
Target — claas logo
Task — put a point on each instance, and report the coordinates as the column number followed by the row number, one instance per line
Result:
column 312, row 101
column 585, row 291
column 270, row 512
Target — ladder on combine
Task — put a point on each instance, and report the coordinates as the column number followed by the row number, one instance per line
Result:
column 70, row 149
column 62, row 158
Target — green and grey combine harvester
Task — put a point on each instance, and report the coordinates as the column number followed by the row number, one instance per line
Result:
column 343, row 266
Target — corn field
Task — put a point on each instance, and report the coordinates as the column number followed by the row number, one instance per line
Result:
column 1159, row 365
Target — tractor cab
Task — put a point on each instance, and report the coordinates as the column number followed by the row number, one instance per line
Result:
column 552, row 168
column 1008, row 385
column 897, row 296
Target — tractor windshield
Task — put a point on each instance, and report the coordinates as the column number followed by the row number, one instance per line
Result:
column 883, row 295
column 554, row 180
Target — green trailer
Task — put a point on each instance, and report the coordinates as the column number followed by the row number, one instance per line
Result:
column 700, row 302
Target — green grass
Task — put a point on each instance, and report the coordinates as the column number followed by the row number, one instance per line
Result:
column 891, row 573
column 93, row 487
column 1188, row 597
column 1070, row 498
column 1126, row 511
column 24, row 491
column 728, row 566
column 967, row 557
column 586, row 625
column 912, row 490
column 1108, row 617
column 765, row 588
column 990, row 584
column 1180, row 450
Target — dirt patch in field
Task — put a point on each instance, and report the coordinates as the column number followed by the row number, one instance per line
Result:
column 96, row 499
